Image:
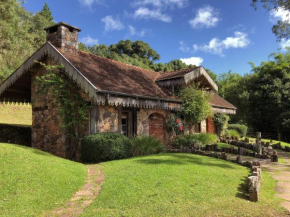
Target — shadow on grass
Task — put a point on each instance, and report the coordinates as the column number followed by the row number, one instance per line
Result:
column 181, row 159
column 243, row 189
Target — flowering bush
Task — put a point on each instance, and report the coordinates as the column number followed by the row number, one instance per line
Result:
column 176, row 125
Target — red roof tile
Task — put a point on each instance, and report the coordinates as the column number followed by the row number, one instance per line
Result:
column 110, row 75
column 175, row 74
column 220, row 102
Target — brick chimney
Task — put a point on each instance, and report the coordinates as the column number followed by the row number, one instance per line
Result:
column 63, row 36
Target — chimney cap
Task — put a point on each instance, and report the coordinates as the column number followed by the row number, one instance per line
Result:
column 62, row 24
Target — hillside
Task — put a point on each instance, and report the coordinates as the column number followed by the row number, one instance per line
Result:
column 33, row 182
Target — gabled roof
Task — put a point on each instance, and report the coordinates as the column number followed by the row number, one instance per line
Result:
column 112, row 76
column 106, row 80
column 102, row 79
column 218, row 101
column 175, row 74
column 186, row 76
column 220, row 105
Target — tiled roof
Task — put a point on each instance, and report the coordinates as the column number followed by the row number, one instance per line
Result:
column 174, row 74
column 110, row 75
column 220, row 102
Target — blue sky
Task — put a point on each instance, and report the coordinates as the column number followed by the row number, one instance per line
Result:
column 221, row 35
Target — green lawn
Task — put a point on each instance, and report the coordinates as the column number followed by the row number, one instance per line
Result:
column 16, row 114
column 224, row 145
column 33, row 182
column 179, row 185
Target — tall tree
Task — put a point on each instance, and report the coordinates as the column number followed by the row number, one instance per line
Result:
column 15, row 42
column 234, row 88
column 46, row 13
column 270, row 95
column 21, row 33
column 282, row 28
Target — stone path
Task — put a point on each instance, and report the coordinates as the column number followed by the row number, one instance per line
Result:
column 86, row 195
column 281, row 172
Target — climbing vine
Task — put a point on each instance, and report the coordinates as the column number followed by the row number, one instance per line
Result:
column 196, row 105
column 72, row 108
column 221, row 122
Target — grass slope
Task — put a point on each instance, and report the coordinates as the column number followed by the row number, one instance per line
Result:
column 15, row 114
column 179, row 185
column 33, row 182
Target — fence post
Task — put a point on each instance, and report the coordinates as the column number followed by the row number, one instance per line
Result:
column 259, row 146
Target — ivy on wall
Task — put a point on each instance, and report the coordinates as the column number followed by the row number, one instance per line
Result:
column 221, row 122
column 196, row 105
column 72, row 108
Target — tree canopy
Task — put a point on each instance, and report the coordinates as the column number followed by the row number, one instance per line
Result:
column 262, row 97
column 137, row 53
column 282, row 28
column 21, row 34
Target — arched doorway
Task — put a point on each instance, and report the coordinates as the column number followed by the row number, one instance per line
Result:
column 157, row 126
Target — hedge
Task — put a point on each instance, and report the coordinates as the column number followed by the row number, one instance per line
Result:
column 232, row 134
column 240, row 128
column 101, row 147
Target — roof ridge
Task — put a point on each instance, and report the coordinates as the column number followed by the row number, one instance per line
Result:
column 106, row 58
column 180, row 70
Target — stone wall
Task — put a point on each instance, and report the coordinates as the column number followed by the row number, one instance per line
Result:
column 47, row 131
column 203, row 126
column 64, row 37
column 107, row 119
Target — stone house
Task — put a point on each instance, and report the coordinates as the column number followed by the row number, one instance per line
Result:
column 124, row 98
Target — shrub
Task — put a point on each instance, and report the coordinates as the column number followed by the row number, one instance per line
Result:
column 232, row 134
column 145, row 145
column 104, row 147
column 221, row 122
column 206, row 138
column 240, row 128
column 185, row 141
column 195, row 105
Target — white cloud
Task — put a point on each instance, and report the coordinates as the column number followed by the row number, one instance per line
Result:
column 197, row 61
column 161, row 3
column 183, row 46
column 216, row 46
column 285, row 44
column 280, row 14
column 88, row 3
column 205, row 17
column 145, row 13
column 89, row 40
column 112, row 24
column 134, row 32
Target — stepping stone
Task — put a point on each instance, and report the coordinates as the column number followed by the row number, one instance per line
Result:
column 86, row 194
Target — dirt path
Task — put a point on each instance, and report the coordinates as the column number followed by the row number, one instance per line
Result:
column 281, row 172
column 86, row 195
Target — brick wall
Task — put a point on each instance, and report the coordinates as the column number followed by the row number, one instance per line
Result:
column 210, row 126
column 157, row 126
column 143, row 124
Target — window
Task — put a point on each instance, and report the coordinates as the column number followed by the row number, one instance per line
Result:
column 124, row 123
